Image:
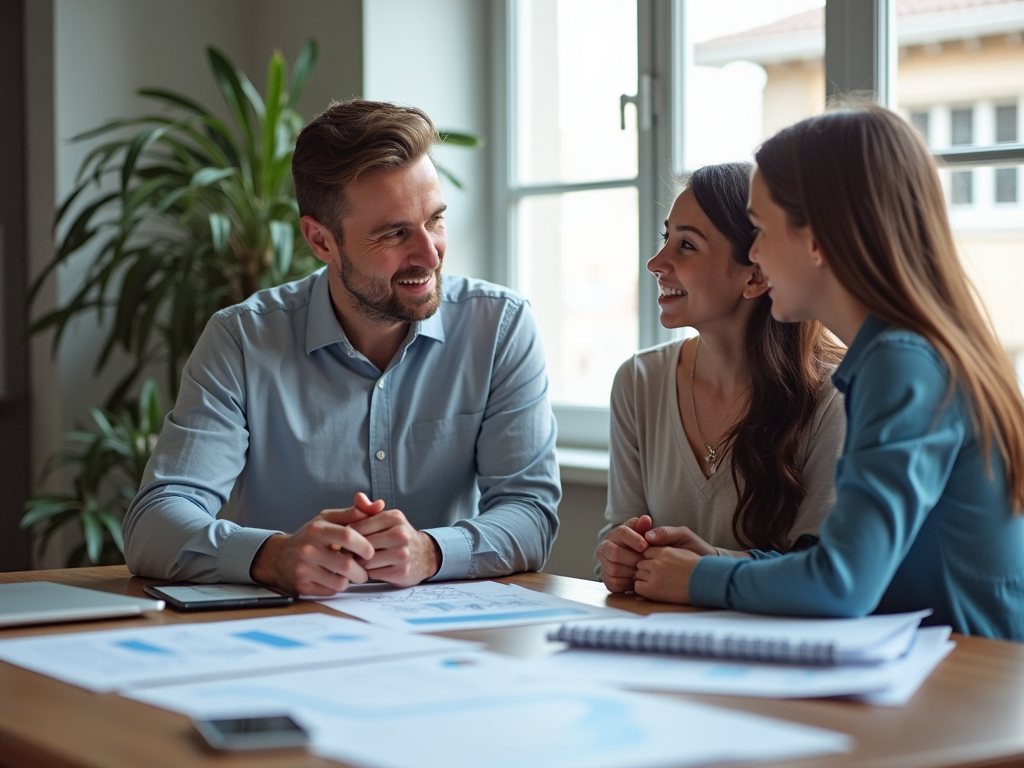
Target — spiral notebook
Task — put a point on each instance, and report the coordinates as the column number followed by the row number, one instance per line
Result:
column 746, row 637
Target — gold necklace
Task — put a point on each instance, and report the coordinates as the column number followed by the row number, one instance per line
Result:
column 712, row 457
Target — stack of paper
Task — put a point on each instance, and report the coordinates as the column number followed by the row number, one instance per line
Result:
column 878, row 659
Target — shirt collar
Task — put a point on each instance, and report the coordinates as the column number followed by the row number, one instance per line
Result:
column 870, row 329
column 323, row 328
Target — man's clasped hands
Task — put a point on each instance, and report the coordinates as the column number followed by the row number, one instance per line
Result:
column 339, row 547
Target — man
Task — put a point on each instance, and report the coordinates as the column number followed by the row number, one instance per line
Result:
column 367, row 380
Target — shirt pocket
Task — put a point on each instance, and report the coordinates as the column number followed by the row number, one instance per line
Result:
column 432, row 430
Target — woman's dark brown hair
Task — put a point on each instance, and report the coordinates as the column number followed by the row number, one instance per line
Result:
column 789, row 365
column 863, row 180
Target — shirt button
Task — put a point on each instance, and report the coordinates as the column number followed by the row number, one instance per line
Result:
column 380, row 384
column 381, row 455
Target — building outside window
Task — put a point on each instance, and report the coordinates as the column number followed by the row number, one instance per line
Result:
column 1006, row 124
column 920, row 120
column 1006, row 185
column 962, row 188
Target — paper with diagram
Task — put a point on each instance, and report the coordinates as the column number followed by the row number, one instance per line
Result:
column 472, row 605
column 119, row 659
column 468, row 710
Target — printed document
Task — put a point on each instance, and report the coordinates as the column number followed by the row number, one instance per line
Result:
column 474, row 605
column 471, row 710
column 112, row 660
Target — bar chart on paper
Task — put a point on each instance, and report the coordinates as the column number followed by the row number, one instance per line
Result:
column 476, row 605
column 128, row 658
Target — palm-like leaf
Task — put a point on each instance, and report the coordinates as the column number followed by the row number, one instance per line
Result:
column 110, row 458
column 203, row 215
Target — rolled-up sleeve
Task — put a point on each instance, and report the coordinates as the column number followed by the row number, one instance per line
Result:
column 517, row 472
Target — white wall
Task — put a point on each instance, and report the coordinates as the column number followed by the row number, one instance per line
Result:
column 581, row 517
column 433, row 55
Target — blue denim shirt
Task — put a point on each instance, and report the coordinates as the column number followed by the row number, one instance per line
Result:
column 278, row 410
column 918, row 521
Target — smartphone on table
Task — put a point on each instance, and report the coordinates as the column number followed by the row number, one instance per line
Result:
column 208, row 597
column 235, row 734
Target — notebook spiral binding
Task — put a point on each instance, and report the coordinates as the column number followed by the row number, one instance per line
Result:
column 701, row 644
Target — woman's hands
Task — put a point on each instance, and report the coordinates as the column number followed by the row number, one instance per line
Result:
column 664, row 574
column 680, row 537
column 621, row 551
column 637, row 542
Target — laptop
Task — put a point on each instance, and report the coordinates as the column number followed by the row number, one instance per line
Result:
column 43, row 602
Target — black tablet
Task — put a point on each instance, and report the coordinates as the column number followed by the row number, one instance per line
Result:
column 208, row 597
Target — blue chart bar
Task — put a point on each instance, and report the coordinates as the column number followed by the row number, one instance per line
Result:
column 141, row 647
column 268, row 639
column 540, row 614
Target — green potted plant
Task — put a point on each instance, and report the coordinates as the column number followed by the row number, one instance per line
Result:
column 110, row 459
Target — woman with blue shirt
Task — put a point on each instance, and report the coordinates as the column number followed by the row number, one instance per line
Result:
column 853, row 232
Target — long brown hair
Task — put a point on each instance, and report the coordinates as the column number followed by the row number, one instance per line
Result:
column 865, row 183
column 789, row 365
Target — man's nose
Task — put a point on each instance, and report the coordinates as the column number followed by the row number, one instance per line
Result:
column 427, row 249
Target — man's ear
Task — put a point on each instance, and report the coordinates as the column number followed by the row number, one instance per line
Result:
column 319, row 238
column 756, row 285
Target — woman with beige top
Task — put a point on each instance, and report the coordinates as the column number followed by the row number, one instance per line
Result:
column 724, row 444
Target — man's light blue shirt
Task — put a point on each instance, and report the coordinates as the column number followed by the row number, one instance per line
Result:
column 278, row 411
column 919, row 520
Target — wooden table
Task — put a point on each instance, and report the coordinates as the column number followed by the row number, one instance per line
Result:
column 970, row 712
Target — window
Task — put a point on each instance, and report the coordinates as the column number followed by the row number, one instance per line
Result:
column 1006, row 185
column 962, row 189
column 573, row 186
column 1006, row 124
column 962, row 127
column 920, row 121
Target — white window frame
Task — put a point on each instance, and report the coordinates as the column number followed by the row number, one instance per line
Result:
column 860, row 54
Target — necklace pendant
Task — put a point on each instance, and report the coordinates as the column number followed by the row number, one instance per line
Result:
column 710, row 458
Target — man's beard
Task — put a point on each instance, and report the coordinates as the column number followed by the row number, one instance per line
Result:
column 377, row 300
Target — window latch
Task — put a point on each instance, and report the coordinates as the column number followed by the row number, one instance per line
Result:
column 642, row 101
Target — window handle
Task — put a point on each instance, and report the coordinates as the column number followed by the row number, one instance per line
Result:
column 642, row 101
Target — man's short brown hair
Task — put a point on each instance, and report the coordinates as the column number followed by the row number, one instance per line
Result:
column 348, row 139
